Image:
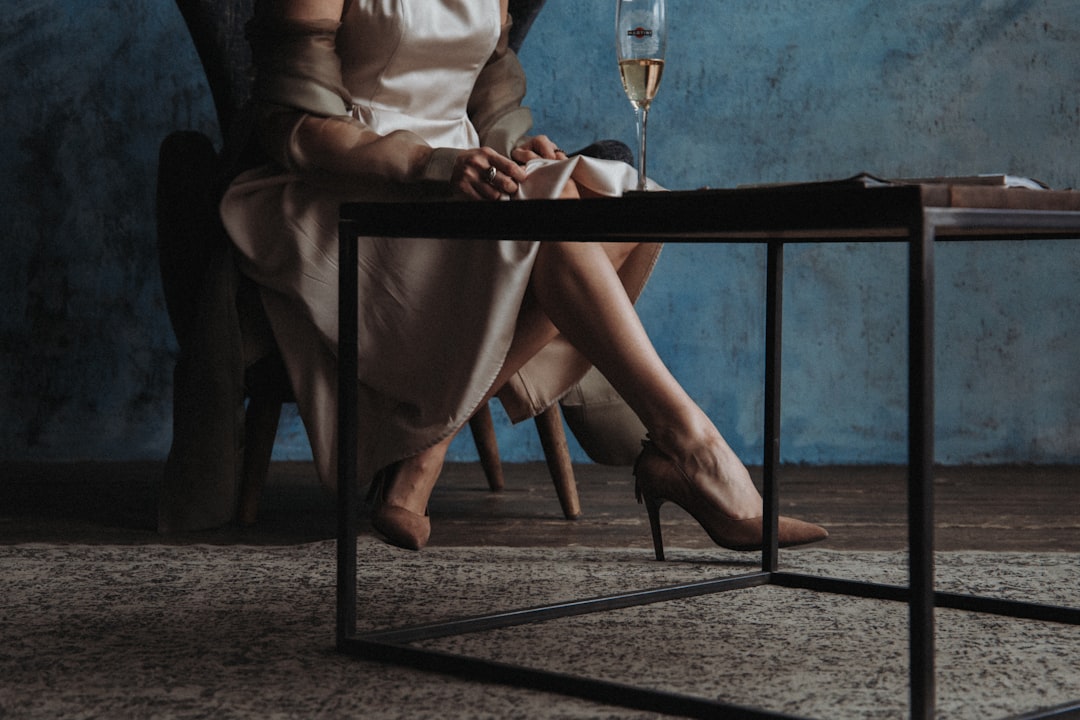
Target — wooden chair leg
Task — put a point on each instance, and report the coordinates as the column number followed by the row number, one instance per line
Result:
column 557, row 452
column 483, row 431
column 260, row 429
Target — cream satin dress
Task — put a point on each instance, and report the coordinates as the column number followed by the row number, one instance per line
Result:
column 436, row 316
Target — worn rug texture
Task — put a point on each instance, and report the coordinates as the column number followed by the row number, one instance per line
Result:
column 199, row 631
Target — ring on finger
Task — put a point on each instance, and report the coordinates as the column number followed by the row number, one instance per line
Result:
column 490, row 174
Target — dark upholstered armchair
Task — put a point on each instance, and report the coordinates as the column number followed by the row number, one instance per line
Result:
column 227, row 402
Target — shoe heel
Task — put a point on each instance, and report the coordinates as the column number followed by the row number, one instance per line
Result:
column 652, row 505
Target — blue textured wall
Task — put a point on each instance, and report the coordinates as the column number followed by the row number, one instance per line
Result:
column 773, row 90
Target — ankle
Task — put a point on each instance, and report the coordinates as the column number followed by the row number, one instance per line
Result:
column 716, row 472
column 675, row 424
column 414, row 481
column 681, row 443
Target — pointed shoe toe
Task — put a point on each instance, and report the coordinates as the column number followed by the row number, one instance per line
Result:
column 799, row 532
column 402, row 527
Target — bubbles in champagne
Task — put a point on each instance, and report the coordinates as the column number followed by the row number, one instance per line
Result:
column 641, row 79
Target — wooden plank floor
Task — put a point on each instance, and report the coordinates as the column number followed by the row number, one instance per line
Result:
column 1021, row 508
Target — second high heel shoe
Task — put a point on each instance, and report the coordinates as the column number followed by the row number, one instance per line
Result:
column 659, row 479
column 400, row 526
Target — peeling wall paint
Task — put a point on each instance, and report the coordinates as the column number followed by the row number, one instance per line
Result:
column 774, row 90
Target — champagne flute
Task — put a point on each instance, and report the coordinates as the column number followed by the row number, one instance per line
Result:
column 640, row 44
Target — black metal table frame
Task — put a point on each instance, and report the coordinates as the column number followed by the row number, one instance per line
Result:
column 827, row 213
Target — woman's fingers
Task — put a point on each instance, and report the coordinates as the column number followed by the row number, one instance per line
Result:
column 484, row 174
column 540, row 146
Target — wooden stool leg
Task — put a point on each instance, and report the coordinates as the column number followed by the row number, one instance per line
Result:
column 260, row 429
column 483, row 431
column 557, row 452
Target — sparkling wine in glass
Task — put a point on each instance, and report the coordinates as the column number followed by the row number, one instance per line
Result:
column 640, row 44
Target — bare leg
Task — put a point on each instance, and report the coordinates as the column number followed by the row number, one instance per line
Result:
column 571, row 276
column 694, row 467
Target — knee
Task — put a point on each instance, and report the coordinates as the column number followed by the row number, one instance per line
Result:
column 619, row 252
column 570, row 191
column 563, row 254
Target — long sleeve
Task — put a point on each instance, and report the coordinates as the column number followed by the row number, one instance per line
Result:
column 303, row 119
column 341, row 150
column 301, row 111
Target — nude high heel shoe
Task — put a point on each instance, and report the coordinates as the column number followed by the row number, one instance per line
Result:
column 398, row 525
column 660, row 479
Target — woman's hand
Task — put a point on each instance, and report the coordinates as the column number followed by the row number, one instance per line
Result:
column 539, row 147
column 484, row 174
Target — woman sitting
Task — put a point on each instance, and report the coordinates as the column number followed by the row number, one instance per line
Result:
column 417, row 100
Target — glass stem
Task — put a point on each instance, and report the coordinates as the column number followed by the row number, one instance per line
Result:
column 643, row 122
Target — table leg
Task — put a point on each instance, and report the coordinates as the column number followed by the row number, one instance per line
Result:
column 348, row 432
column 921, row 468
column 774, row 292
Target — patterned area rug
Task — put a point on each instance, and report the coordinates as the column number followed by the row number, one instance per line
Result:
column 239, row 632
